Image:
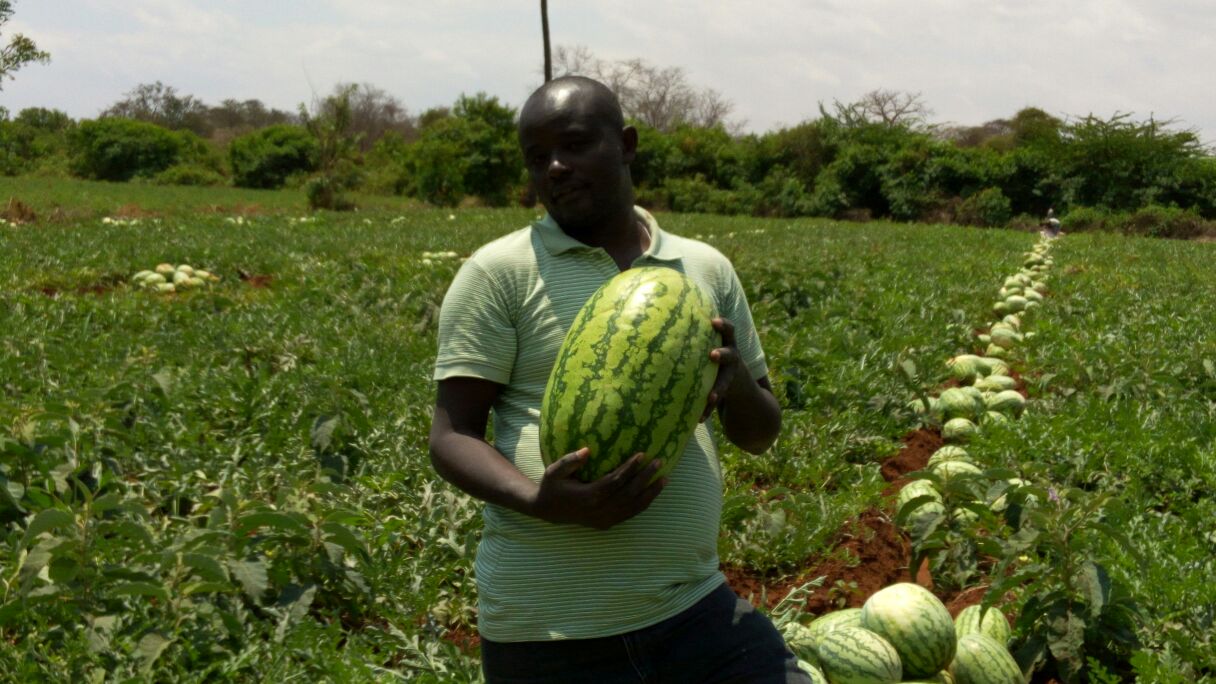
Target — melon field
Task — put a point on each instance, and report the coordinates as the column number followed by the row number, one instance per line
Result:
column 232, row 481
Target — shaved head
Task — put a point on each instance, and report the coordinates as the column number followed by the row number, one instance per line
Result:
column 558, row 94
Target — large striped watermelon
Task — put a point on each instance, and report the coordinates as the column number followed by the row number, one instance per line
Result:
column 975, row 620
column 916, row 623
column 633, row 373
column 980, row 660
column 852, row 655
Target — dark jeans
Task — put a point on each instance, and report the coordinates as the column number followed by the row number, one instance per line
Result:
column 720, row 639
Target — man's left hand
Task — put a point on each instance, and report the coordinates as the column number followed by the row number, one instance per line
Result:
column 730, row 367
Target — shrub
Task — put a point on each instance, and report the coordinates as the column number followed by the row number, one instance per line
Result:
column 266, row 157
column 122, row 149
column 1168, row 222
column 781, row 193
column 697, row 195
column 188, row 174
column 988, row 207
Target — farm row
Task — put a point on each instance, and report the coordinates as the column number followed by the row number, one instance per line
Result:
column 233, row 480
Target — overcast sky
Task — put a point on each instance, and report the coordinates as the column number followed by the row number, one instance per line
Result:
column 972, row 61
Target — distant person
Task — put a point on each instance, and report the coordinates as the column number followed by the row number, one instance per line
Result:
column 1051, row 224
column 614, row 580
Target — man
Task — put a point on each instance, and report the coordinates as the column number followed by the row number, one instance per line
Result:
column 614, row 580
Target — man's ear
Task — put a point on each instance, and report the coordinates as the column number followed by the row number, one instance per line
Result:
column 629, row 143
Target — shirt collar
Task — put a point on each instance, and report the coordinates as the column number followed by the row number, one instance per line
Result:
column 662, row 247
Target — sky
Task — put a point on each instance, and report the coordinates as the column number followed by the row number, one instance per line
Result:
column 775, row 60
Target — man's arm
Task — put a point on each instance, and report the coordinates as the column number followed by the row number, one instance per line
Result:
column 462, row 456
column 750, row 414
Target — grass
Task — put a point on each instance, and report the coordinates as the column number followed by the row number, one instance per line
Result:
column 267, row 508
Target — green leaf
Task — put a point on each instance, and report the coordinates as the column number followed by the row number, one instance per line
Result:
column 141, row 589
column 63, row 569
column 280, row 521
column 206, row 567
column 150, row 647
column 1094, row 584
column 252, row 577
column 323, row 432
column 45, row 521
column 106, row 502
column 296, row 612
column 164, row 381
column 11, row 494
column 343, row 536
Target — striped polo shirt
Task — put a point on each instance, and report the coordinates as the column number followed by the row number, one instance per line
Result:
column 503, row 319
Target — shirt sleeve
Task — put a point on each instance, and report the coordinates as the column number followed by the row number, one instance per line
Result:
column 734, row 307
column 476, row 331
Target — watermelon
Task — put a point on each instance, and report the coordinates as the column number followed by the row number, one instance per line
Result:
column 845, row 617
column 949, row 452
column 801, row 640
column 981, row 660
column 950, row 470
column 958, row 402
column 633, row 373
column 817, row 676
column 966, row 368
column 914, row 489
column 1007, row 401
column 852, row 655
column 990, row 623
column 995, row 383
column 959, row 430
column 916, row 623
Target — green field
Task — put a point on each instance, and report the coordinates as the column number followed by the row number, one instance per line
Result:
column 234, row 482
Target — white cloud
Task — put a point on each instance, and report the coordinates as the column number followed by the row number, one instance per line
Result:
column 776, row 60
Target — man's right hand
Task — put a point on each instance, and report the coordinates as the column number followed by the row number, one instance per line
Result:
column 614, row 498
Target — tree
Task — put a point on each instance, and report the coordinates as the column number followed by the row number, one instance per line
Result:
column 337, row 150
column 890, row 108
column 660, row 97
column 19, row 51
column 160, row 104
column 373, row 113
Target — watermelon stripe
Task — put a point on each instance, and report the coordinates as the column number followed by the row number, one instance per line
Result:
column 632, row 372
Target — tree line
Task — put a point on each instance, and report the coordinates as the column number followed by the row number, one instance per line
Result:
column 877, row 157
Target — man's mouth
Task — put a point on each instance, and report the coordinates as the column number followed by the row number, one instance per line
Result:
column 561, row 194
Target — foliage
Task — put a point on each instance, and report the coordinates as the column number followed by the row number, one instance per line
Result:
column 267, row 157
column 337, row 146
column 988, row 207
column 32, row 139
column 471, row 152
column 160, row 104
column 189, row 174
column 122, row 149
column 20, row 50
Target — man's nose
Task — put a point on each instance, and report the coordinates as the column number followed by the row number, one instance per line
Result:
column 557, row 167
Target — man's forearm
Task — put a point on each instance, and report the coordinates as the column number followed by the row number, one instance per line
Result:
column 751, row 417
column 477, row 468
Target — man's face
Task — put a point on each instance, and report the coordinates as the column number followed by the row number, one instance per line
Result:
column 577, row 160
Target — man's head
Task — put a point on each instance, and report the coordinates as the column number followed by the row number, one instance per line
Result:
column 577, row 150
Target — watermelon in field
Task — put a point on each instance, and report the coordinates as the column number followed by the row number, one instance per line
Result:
column 916, row 623
column 852, row 655
column 980, row 660
column 990, row 623
column 801, row 641
column 949, row 452
column 633, row 373
column 845, row 617
column 817, row 676
column 959, row 430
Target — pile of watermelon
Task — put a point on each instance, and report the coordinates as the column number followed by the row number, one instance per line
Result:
column 904, row 633
column 167, row 278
